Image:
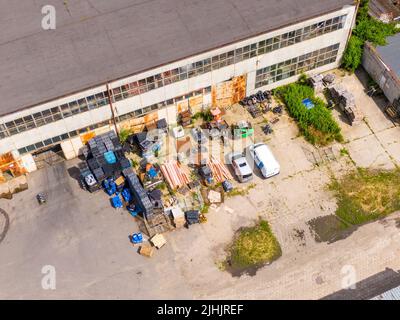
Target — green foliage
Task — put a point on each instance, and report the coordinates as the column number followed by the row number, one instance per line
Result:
column 303, row 79
column 317, row 124
column 205, row 115
column 366, row 195
column 352, row 57
column 367, row 29
column 255, row 246
column 124, row 134
column 134, row 164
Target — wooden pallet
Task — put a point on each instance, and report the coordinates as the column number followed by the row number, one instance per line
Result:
column 158, row 223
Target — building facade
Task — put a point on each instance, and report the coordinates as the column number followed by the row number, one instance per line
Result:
column 258, row 63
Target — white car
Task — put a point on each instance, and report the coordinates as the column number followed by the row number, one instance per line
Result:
column 240, row 165
column 264, row 160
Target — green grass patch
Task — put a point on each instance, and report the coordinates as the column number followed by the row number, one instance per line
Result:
column 317, row 124
column 344, row 152
column 367, row 195
column 254, row 246
column 241, row 191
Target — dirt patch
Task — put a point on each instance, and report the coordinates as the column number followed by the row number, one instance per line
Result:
column 4, row 224
column 300, row 236
column 398, row 223
column 330, row 229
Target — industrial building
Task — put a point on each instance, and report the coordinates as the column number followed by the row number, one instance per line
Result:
column 383, row 65
column 385, row 10
column 127, row 63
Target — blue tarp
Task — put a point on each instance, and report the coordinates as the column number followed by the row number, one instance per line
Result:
column 110, row 157
column 308, row 103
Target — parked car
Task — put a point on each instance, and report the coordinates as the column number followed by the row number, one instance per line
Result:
column 264, row 160
column 240, row 165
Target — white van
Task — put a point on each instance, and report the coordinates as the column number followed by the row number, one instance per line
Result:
column 264, row 159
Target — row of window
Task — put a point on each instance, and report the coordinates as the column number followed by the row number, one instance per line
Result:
column 157, row 106
column 295, row 66
column 58, row 139
column 42, row 118
column 229, row 58
column 137, row 113
column 159, row 80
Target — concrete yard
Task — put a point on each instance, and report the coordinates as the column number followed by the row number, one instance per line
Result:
column 87, row 241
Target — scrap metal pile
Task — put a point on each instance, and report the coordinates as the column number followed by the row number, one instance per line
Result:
column 258, row 103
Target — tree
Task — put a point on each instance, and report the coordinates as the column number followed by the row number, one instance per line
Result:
column 367, row 29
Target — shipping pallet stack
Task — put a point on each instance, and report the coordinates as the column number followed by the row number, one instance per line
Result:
column 317, row 83
column 347, row 104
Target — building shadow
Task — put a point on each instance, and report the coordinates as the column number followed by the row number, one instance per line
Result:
column 369, row 287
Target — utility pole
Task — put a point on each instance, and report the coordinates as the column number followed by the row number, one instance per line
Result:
column 109, row 95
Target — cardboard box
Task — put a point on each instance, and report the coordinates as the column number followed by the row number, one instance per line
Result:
column 158, row 241
column 146, row 251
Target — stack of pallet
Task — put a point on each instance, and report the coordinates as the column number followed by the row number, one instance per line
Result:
column 219, row 170
column 317, row 83
column 175, row 175
column 347, row 104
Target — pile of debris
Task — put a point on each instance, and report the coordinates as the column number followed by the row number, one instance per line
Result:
column 148, row 142
column 347, row 104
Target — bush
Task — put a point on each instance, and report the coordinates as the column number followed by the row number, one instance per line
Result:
column 205, row 115
column 123, row 135
column 352, row 57
column 317, row 124
column 367, row 29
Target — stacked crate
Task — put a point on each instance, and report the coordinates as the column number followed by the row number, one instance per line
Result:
column 347, row 104
column 140, row 195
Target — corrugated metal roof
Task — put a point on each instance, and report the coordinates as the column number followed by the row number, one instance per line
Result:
column 391, row 52
column 102, row 40
column 393, row 294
